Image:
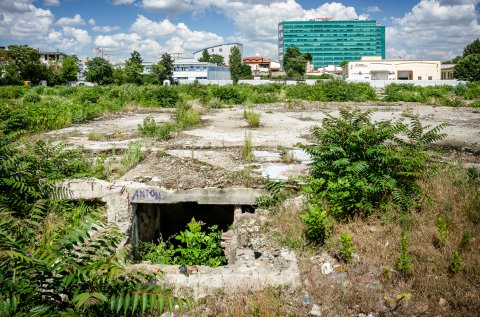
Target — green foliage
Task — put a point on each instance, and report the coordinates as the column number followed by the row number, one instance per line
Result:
column 359, row 164
column 134, row 68
column 198, row 247
column 319, row 225
column 70, row 68
column 205, row 56
column 455, row 263
column 247, row 149
column 346, row 249
column 24, row 64
column 403, row 264
column 468, row 68
column 437, row 95
column 252, row 117
column 164, row 68
column 99, row 71
column 472, row 48
column 229, row 94
column 294, row 62
column 277, row 192
column 336, row 90
column 150, row 128
column 31, row 98
column 186, row 117
column 235, row 63
column 466, row 238
column 195, row 247
column 132, row 156
column 442, row 232
column 217, row 59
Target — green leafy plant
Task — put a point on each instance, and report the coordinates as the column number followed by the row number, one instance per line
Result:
column 185, row 117
column 247, row 149
column 359, row 164
column 132, row 156
column 195, row 247
column 442, row 232
column 346, row 249
column 150, row 128
column 252, row 117
column 319, row 225
column 403, row 264
column 455, row 263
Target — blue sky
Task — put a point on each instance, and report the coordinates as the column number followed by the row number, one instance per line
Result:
column 426, row 29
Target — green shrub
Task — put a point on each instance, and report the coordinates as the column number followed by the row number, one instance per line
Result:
column 455, row 263
column 12, row 92
column 472, row 90
column 475, row 104
column 252, row 117
column 31, row 98
column 319, row 226
column 442, row 232
column 262, row 98
column 359, row 164
column 150, row 128
column 196, row 247
column 230, row 94
column 186, row 117
column 404, row 265
column 346, row 249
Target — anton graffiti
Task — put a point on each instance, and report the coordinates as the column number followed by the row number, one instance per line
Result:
column 146, row 194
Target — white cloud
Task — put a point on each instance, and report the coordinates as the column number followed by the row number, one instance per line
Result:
column 434, row 30
column 149, row 28
column 75, row 21
column 91, row 21
column 21, row 20
column 51, row 2
column 105, row 29
column 373, row 9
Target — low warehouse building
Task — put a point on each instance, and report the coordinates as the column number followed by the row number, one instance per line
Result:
column 190, row 69
column 375, row 68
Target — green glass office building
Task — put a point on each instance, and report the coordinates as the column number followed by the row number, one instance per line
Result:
column 330, row 42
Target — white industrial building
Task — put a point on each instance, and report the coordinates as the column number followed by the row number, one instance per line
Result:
column 222, row 50
column 48, row 57
column 191, row 69
column 376, row 68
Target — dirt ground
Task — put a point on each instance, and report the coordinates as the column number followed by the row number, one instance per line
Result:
column 210, row 154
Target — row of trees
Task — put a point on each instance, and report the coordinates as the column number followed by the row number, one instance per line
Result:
column 100, row 71
column 22, row 63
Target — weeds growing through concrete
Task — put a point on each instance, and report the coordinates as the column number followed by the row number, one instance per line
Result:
column 247, row 149
column 252, row 117
column 132, row 156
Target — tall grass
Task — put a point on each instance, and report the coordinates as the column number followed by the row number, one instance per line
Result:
column 132, row 156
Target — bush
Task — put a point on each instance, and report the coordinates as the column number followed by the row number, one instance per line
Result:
column 150, row 128
column 196, row 247
column 12, row 92
column 31, row 98
column 319, row 226
column 346, row 249
column 185, row 117
column 229, row 94
column 252, row 117
column 359, row 164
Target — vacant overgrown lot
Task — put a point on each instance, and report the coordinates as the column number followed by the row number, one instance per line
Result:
column 48, row 108
column 400, row 223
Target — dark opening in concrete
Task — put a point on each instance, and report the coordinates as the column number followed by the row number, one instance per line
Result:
column 166, row 220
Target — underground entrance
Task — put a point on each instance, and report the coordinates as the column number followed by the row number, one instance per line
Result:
column 162, row 222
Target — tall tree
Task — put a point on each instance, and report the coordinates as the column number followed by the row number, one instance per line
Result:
column 235, row 62
column 134, row 68
column 167, row 62
column 468, row 68
column 294, row 62
column 217, row 59
column 99, row 71
column 70, row 68
column 472, row 48
column 205, row 56
column 27, row 62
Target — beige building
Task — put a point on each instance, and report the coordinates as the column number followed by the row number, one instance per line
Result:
column 447, row 71
column 375, row 68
